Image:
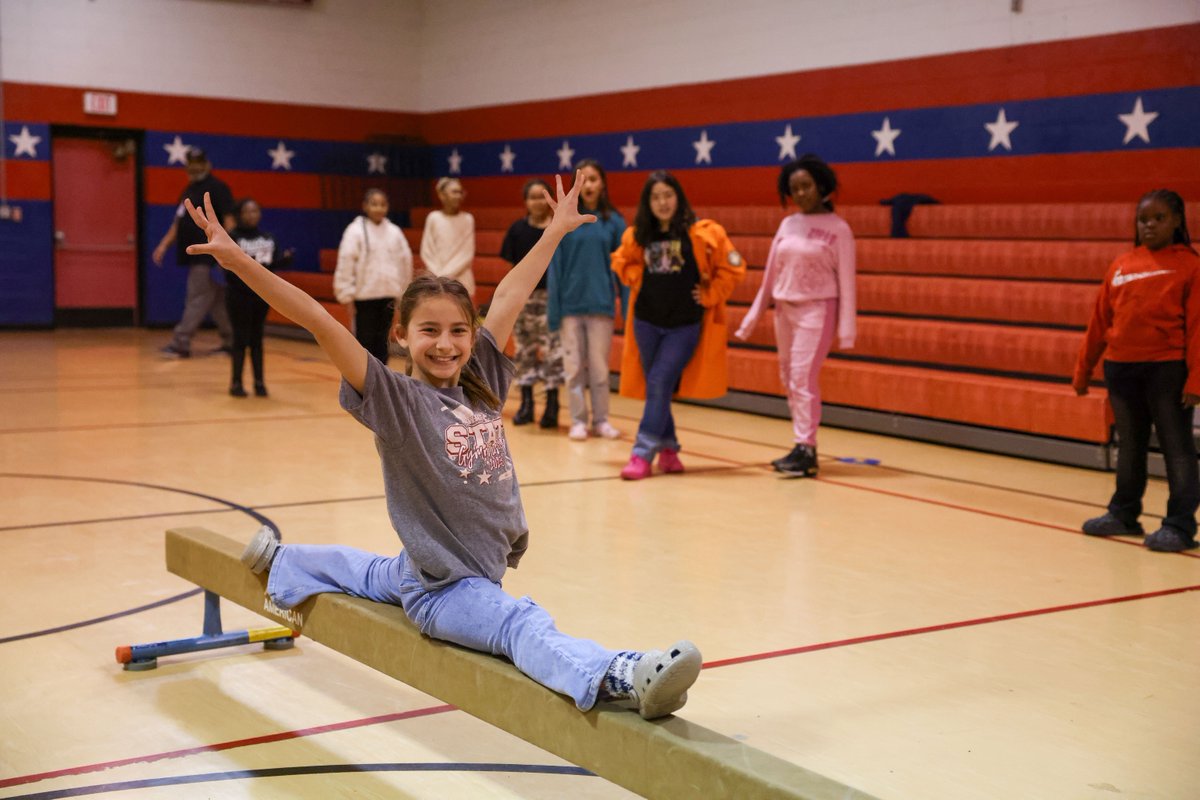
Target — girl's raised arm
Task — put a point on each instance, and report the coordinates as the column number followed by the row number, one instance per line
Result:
column 519, row 283
column 294, row 303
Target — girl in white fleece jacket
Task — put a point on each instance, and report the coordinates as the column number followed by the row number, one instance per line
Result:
column 374, row 267
column 448, row 242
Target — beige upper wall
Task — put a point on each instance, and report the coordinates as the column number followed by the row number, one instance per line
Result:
column 351, row 53
column 477, row 52
column 434, row 55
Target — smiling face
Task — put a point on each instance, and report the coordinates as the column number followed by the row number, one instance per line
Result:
column 439, row 338
column 664, row 202
column 591, row 186
column 1156, row 224
column 376, row 207
column 805, row 193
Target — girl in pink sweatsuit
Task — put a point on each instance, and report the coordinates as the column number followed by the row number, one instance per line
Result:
column 810, row 278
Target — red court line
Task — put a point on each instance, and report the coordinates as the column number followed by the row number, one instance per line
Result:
column 994, row 514
column 926, row 500
column 422, row 712
column 230, row 745
column 946, row 626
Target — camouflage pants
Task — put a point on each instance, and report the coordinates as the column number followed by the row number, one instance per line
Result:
column 539, row 352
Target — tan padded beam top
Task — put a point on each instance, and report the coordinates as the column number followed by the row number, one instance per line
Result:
column 668, row 758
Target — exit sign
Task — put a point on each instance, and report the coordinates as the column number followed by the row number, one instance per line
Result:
column 100, row 103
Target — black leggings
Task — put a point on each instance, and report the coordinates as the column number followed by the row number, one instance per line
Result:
column 247, row 313
column 1149, row 393
column 372, row 324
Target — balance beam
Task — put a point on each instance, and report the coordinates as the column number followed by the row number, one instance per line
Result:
column 668, row 758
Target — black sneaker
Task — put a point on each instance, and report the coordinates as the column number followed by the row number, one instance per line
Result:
column 793, row 454
column 800, row 463
column 236, row 390
column 260, row 389
column 171, row 351
column 1170, row 540
column 1109, row 525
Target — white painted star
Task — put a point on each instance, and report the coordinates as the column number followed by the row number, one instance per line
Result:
column 485, row 477
column 566, row 155
column 377, row 162
column 506, row 159
column 885, row 138
column 464, row 473
column 1000, row 130
column 1137, row 123
column 455, row 162
column 25, row 142
column 629, row 153
column 704, row 147
column 177, row 151
column 787, row 143
column 281, row 157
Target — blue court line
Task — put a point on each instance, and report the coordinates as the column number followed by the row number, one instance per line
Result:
column 260, row 518
column 317, row 769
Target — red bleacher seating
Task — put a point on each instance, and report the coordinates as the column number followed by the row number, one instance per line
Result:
column 976, row 319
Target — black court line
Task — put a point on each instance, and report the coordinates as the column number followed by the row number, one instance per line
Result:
column 96, row 620
column 230, row 505
column 99, row 387
column 171, row 423
column 315, row 769
column 324, row 501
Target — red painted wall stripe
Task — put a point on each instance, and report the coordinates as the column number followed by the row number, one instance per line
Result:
column 1162, row 57
column 272, row 189
column 64, row 106
column 28, row 180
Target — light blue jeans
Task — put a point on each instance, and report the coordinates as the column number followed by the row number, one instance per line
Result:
column 472, row 612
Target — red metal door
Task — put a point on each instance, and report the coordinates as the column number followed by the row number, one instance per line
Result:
column 95, row 224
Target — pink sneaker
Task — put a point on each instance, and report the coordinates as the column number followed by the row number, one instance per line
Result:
column 636, row 469
column 668, row 461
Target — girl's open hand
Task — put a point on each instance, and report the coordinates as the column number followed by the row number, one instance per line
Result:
column 566, row 207
column 219, row 246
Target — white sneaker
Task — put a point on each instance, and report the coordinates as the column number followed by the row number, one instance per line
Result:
column 661, row 680
column 260, row 552
column 578, row 431
column 606, row 430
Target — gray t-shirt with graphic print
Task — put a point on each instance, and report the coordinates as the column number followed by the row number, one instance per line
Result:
column 448, row 476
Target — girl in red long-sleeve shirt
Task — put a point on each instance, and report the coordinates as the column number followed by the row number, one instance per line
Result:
column 1146, row 324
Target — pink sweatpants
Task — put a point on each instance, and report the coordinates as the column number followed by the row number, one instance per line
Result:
column 803, row 337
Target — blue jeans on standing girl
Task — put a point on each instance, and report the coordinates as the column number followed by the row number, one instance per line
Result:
column 664, row 353
column 472, row 612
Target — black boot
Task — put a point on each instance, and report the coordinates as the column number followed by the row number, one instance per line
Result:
column 800, row 463
column 550, row 415
column 524, row 414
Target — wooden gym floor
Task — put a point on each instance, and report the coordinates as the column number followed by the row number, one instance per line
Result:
column 933, row 626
